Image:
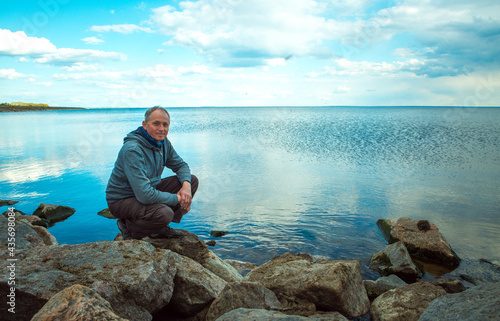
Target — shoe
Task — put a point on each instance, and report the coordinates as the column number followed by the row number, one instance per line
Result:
column 167, row 233
column 123, row 229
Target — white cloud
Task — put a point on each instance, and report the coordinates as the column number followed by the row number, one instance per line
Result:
column 122, row 28
column 247, row 33
column 13, row 74
column 80, row 66
column 70, row 56
column 92, row 40
column 19, row 44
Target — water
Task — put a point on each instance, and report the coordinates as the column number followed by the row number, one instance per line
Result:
column 280, row 180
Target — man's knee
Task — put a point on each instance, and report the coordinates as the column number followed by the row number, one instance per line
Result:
column 194, row 184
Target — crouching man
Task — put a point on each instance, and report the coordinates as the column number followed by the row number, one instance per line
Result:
column 144, row 203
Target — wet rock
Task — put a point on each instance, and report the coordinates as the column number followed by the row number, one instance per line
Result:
column 381, row 285
column 106, row 213
column 134, row 277
column 218, row 233
column 211, row 243
column 195, row 287
column 478, row 303
column 242, row 267
column 191, row 247
column 54, row 213
column 423, row 241
column 394, row 259
column 77, row 303
column 242, row 295
column 7, row 202
column 405, row 303
column 449, row 285
column 474, row 272
column 328, row 285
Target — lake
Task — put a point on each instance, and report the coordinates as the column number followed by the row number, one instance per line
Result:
column 308, row 179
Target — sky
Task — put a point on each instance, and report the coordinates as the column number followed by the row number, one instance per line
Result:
column 123, row 53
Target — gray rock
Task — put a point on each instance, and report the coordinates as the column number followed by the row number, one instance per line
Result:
column 7, row 202
column 134, row 277
column 449, row 285
column 77, row 303
column 423, row 241
column 243, row 314
column 54, row 213
column 478, row 303
column 25, row 237
column 405, row 303
column 195, row 286
column 243, row 295
column 242, row 267
column 190, row 246
column 394, row 259
column 329, row 285
column 47, row 237
column 381, row 285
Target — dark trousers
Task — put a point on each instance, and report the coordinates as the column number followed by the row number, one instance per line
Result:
column 145, row 219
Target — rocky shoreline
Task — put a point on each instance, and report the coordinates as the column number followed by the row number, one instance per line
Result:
column 183, row 280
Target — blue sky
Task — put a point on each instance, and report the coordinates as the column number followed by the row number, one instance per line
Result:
column 250, row 53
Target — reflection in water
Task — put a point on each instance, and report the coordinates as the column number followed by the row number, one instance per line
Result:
column 280, row 180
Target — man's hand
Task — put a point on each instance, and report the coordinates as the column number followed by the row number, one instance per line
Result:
column 184, row 196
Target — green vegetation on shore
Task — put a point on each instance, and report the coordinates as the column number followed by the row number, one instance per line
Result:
column 20, row 106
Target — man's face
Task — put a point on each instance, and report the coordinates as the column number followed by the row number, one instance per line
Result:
column 157, row 125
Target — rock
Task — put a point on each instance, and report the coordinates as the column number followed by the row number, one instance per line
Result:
column 211, row 243
column 381, row 285
column 242, row 267
column 478, row 303
column 405, row 303
column 54, row 213
column 134, row 277
column 329, row 285
column 394, row 259
column 243, row 314
column 47, row 237
column 191, row 247
column 77, row 303
column 195, row 287
column 32, row 219
column 449, row 285
column 25, row 237
column 423, row 241
column 106, row 213
column 242, row 295
column 218, row 233
column 7, row 202
column 474, row 272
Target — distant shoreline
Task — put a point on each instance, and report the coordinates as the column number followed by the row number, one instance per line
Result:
column 33, row 108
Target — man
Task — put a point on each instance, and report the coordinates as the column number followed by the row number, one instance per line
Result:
column 144, row 203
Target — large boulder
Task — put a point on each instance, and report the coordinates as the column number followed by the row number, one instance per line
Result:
column 381, row 285
column 54, row 213
column 195, row 287
column 422, row 239
column 394, row 259
column 478, row 303
column 133, row 276
column 243, row 295
column 329, row 285
column 77, row 303
column 190, row 246
column 405, row 303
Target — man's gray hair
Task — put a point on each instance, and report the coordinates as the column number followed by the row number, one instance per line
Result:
column 148, row 113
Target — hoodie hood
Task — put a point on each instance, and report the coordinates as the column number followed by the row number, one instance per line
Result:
column 141, row 135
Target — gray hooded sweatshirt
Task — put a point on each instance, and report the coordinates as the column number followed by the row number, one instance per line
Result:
column 139, row 167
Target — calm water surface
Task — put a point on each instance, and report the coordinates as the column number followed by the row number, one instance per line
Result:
column 281, row 180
